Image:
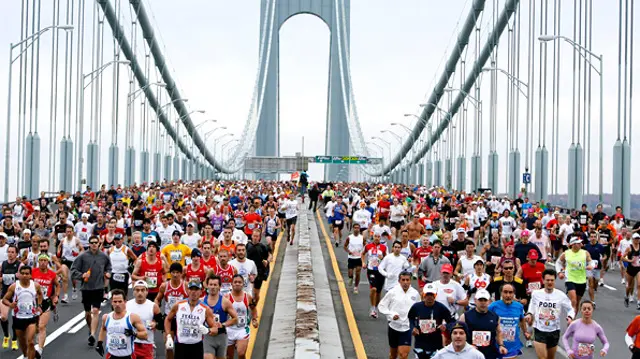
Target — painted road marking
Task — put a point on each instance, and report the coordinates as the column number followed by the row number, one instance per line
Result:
column 351, row 319
column 609, row 287
column 263, row 296
column 58, row 332
column 77, row 328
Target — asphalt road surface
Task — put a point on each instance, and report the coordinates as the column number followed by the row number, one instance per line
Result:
column 610, row 313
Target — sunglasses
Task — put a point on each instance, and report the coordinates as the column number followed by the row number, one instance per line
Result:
column 507, row 268
column 93, row 242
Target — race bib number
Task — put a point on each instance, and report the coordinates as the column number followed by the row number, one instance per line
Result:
column 338, row 222
column 8, row 279
column 25, row 307
column 242, row 321
column 119, row 277
column 427, row 326
column 152, row 282
column 190, row 332
column 374, row 262
column 251, row 225
column 461, row 254
column 547, row 314
column 216, row 318
column 225, row 288
column 117, row 341
column 137, row 223
column 495, row 260
column 533, row 286
column 585, row 350
column 175, row 256
column 44, row 289
column 217, row 227
column 636, row 261
column 481, row 338
column 604, row 241
column 508, row 333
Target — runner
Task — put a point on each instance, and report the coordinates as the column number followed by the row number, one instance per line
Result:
column 151, row 269
column 224, row 316
column 396, row 304
column 450, row 292
column 476, row 281
column 151, row 317
column 9, row 270
column 195, row 270
column 172, row 291
column 484, row 327
column 373, row 254
column 291, row 216
column 176, row 252
column 238, row 333
column 392, row 265
column 24, row 298
column 68, row 250
column 428, row 321
column 50, row 285
column 120, row 328
column 246, row 268
column 354, row 246
column 632, row 257
column 459, row 348
column 190, row 316
column 120, row 255
column 577, row 262
column 271, row 225
column 584, row 332
column 511, row 316
column 92, row 267
column 339, row 211
column 597, row 253
column 397, row 215
column 544, row 315
column 225, row 271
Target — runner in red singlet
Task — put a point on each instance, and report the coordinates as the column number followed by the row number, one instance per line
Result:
column 208, row 259
column 50, row 286
column 225, row 271
column 151, row 269
column 195, row 270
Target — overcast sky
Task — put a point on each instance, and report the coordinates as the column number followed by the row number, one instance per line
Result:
column 398, row 49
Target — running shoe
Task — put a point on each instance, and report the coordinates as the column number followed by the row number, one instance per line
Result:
column 601, row 282
column 14, row 345
column 74, row 295
column 355, row 290
column 626, row 302
column 5, row 343
column 91, row 341
column 38, row 351
column 594, row 305
column 65, row 298
column 623, row 281
column 350, row 281
column 337, row 244
column 529, row 344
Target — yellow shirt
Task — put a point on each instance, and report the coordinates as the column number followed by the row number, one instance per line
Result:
column 176, row 253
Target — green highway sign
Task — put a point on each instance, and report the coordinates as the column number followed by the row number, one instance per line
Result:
column 352, row 160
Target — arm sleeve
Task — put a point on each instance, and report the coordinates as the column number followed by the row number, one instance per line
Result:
column 385, row 305
column 422, row 268
column 603, row 339
column 566, row 303
column 412, row 316
column 381, row 266
column 107, row 265
column 76, row 271
column 533, row 305
column 568, row 334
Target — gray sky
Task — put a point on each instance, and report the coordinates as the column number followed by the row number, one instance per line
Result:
column 397, row 50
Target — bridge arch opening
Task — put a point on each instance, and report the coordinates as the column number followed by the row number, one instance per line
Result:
column 304, row 64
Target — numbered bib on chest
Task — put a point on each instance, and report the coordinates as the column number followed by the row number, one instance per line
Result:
column 481, row 338
column 427, row 326
column 533, row 286
column 242, row 320
column 374, row 261
column 217, row 226
column 547, row 314
column 495, row 260
column 585, row 349
column 8, row 279
column 508, row 333
column 117, row 341
column 176, row 256
column 119, row 277
column 25, row 308
column 338, row 222
column 152, row 282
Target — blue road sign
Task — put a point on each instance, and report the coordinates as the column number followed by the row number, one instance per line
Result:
column 526, row 178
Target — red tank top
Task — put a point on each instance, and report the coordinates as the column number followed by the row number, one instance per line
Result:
column 174, row 295
column 152, row 272
column 198, row 274
column 226, row 277
column 45, row 280
column 210, row 263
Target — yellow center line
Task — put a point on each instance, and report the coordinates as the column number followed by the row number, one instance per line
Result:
column 351, row 319
column 263, row 296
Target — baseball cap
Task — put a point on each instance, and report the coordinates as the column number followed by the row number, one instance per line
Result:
column 533, row 254
column 2, row 234
column 524, row 233
column 36, row 208
column 196, row 253
column 194, row 283
column 428, row 227
column 461, row 230
column 446, row 268
column 430, row 288
column 635, row 235
column 458, row 325
column 510, row 243
column 575, row 240
column 189, row 224
column 26, row 231
column 176, row 232
column 141, row 283
column 483, row 294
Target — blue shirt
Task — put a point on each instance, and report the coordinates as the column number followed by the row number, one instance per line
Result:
column 595, row 250
column 337, row 215
column 510, row 317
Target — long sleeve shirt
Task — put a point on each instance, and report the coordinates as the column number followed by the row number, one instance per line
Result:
column 391, row 267
column 584, row 335
column 98, row 262
column 546, row 309
column 398, row 302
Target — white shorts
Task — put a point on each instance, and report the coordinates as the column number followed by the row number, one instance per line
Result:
column 234, row 335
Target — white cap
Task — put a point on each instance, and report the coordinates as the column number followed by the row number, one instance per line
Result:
column 36, row 208
column 140, row 283
column 635, row 235
column 85, row 215
column 26, row 231
column 430, row 288
column 2, row 234
column 483, row 294
column 575, row 240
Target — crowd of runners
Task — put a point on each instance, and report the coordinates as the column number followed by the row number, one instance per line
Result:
column 455, row 275
column 471, row 275
column 193, row 255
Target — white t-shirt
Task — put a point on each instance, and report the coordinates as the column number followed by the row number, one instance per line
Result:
column 566, row 230
column 547, row 308
column 291, row 209
column 391, row 267
column 362, row 217
column 397, row 213
column 356, row 246
column 451, row 289
column 245, row 269
column 190, row 241
column 507, row 226
column 328, row 209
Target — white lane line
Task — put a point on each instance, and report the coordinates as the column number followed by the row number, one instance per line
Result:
column 609, row 287
column 77, row 328
column 58, row 332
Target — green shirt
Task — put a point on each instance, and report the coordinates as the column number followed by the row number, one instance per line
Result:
column 576, row 266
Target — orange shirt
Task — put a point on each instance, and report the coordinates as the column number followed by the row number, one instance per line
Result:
column 634, row 330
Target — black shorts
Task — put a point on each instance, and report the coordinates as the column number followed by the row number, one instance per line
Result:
column 354, row 263
column 23, row 324
column 397, row 225
column 124, row 284
column 557, row 244
column 579, row 288
column 282, row 215
column 92, row 299
column 607, row 251
column 292, row 221
column 551, row 339
column 338, row 223
column 376, row 280
column 188, row 351
column 257, row 283
column 47, row 305
column 397, row 338
column 68, row 263
column 632, row 271
column 152, row 296
column 109, row 356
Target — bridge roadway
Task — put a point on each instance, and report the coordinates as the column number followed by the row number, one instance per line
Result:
column 67, row 338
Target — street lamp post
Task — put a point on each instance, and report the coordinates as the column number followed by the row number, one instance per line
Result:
column 385, row 142
column 176, row 158
column 621, row 151
column 33, row 170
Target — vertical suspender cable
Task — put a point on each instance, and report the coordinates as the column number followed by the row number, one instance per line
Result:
column 540, row 74
column 573, row 97
column 590, row 72
column 516, row 128
column 626, row 68
column 630, row 75
column 544, row 86
column 553, row 99
column 80, row 92
column 53, row 105
column 530, row 65
column 557, row 91
column 22, row 98
column 579, row 77
column 619, row 65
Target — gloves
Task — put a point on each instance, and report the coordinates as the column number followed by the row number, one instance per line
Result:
column 169, row 344
column 204, row 330
column 130, row 332
column 100, row 349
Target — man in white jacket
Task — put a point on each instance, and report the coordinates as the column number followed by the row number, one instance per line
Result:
column 459, row 348
column 395, row 305
column 391, row 266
